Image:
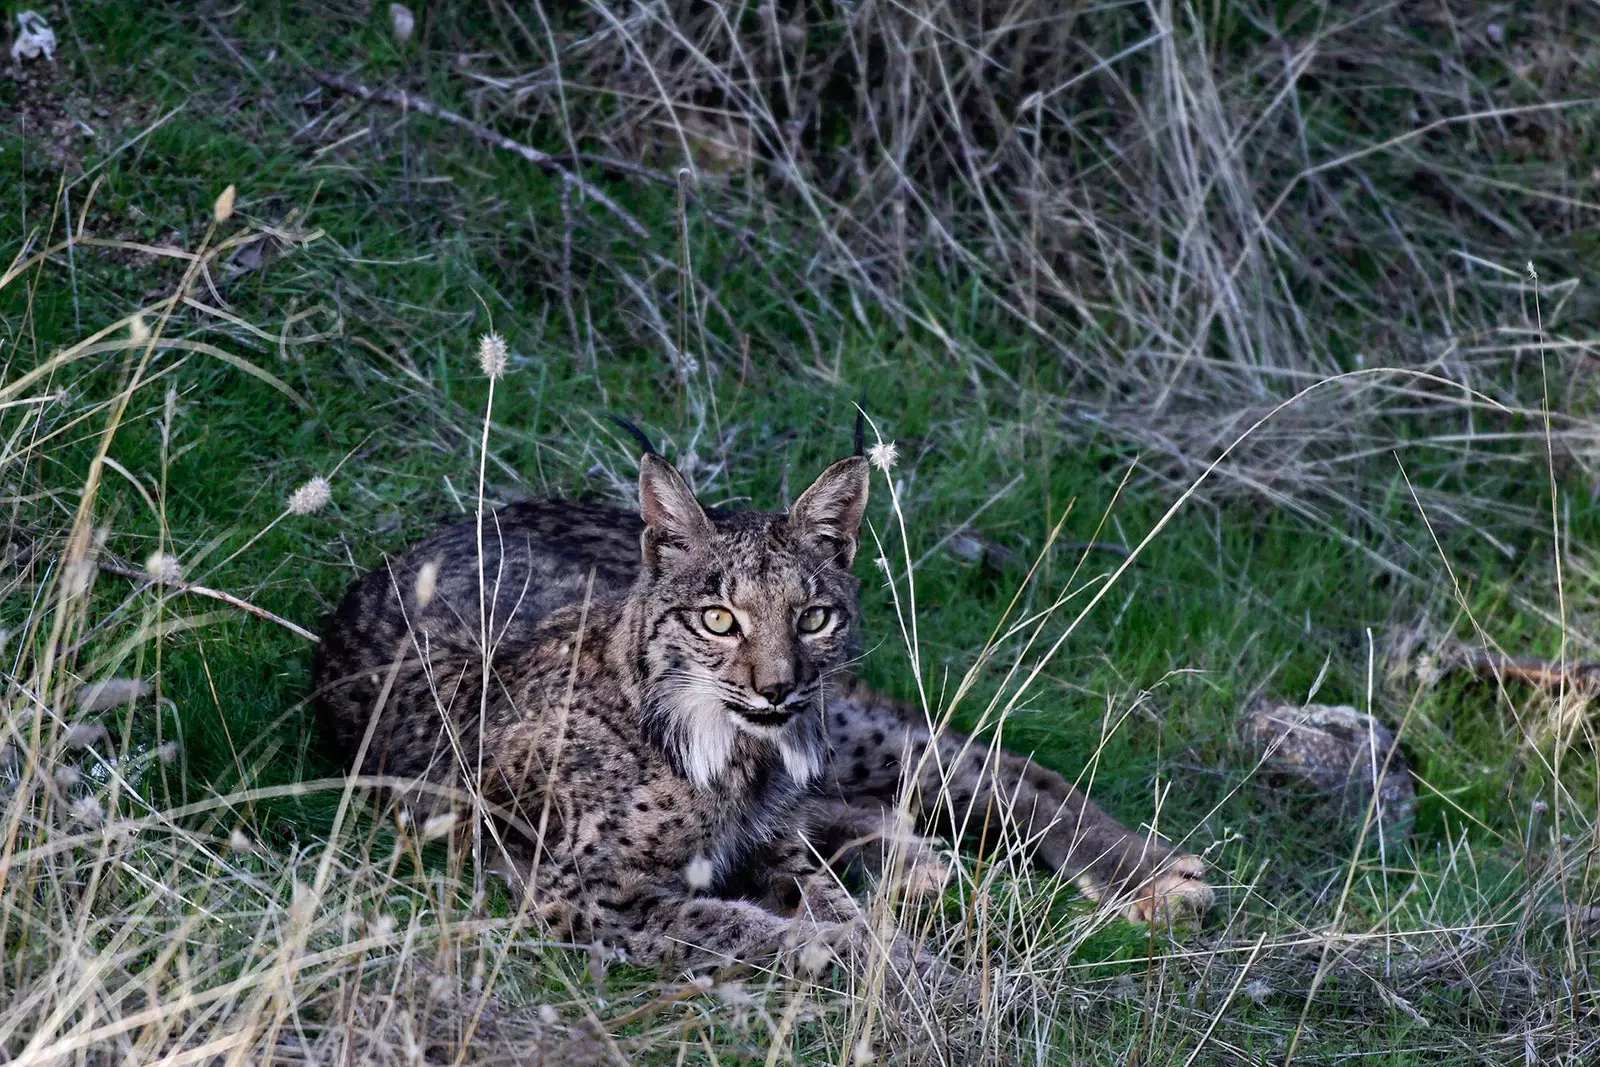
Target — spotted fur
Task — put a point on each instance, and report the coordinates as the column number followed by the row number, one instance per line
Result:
column 662, row 787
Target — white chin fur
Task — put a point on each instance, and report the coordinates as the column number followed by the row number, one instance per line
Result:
column 708, row 729
column 798, row 759
column 708, row 732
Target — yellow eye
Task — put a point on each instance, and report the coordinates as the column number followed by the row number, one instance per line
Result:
column 812, row 620
column 718, row 620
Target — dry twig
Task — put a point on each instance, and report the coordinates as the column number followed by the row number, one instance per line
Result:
column 182, row 586
column 1533, row 671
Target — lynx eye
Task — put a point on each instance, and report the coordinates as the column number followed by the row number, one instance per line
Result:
column 812, row 620
column 718, row 620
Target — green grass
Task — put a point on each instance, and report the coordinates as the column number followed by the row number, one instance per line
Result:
column 417, row 239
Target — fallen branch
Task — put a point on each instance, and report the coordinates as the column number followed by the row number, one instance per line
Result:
column 543, row 160
column 206, row 591
column 1534, row 671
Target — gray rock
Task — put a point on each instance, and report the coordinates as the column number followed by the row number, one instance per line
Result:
column 1335, row 750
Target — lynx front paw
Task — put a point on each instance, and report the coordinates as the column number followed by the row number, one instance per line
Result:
column 1178, row 891
column 926, row 869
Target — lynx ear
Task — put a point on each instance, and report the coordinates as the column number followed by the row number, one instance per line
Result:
column 673, row 518
column 831, row 509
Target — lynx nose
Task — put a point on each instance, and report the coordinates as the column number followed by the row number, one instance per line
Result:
column 776, row 691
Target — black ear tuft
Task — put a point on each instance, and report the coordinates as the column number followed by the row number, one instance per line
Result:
column 639, row 436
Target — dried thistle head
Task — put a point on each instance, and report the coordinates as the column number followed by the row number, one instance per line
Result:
column 492, row 355
column 883, row 455
column 311, row 497
column 163, row 568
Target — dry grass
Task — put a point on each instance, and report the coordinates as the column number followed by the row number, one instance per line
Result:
column 1186, row 230
column 1189, row 211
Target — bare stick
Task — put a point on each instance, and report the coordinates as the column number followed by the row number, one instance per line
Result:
column 543, row 160
column 1533, row 671
column 206, row 591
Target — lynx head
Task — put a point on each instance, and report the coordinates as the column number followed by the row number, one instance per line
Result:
column 741, row 618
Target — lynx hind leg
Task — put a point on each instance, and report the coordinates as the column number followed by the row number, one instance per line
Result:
column 998, row 797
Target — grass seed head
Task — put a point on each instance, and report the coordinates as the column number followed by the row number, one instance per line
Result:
column 439, row 825
column 78, row 576
column 402, row 23
column 427, row 583
column 883, row 455
column 492, row 355
column 88, row 735
column 311, row 497
column 223, row 210
column 87, row 812
column 163, row 568
column 814, row 957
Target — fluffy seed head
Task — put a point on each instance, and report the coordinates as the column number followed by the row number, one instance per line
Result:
column 402, row 23
column 492, row 355
column 163, row 568
column 87, row 735
column 167, row 753
column 427, row 583
column 698, row 873
column 223, row 210
column 78, row 576
column 86, row 810
column 814, row 957
column 438, row 825
column 238, row 841
column 302, row 905
column 138, row 331
column 311, row 497
column 883, row 455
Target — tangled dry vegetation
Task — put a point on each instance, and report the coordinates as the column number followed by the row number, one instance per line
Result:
column 1190, row 212
column 1266, row 249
